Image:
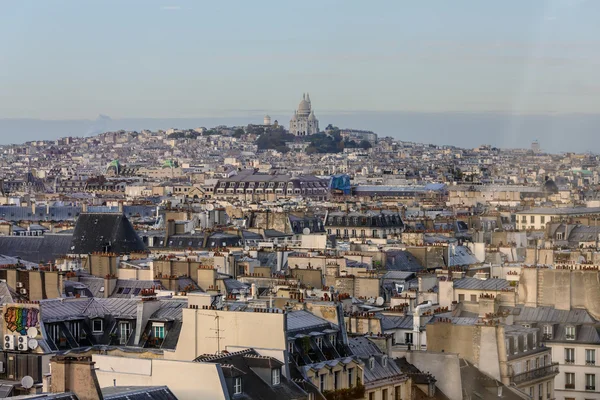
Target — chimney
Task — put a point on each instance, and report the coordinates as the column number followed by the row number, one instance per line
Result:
column 75, row 374
column 170, row 230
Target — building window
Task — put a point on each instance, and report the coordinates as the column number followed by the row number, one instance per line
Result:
column 291, row 346
column 474, row 298
column 158, row 331
column 590, row 357
column 375, row 233
column 543, row 219
column 569, row 356
column 97, row 326
column 570, row 333
column 398, row 393
column 319, row 342
column 124, row 332
column 371, row 363
column 237, row 385
column 461, row 297
column 322, row 382
column 590, row 382
column 525, row 342
column 54, row 332
column 336, row 380
column 524, row 219
column 547, row 332
column 408, row 338
column 548, row 389
column 384, row 361
column 515, row 345
column 276, row 376
column 333, row 340
column 569, row 380
column 75, row 329
column 532, row 219
column 350, row 377
column 540, row 391
column 534, row 341
column 384, row 394
column 372, row 396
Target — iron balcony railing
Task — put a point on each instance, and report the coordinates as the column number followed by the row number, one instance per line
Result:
column 534, row 374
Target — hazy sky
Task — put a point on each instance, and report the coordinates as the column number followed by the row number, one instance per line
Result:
column 145, row 58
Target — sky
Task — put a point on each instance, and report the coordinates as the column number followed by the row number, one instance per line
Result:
column 76, row 59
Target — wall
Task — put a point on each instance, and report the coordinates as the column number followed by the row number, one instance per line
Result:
column 444, row 367
column 187, row 380
column 236, row 328
column 475, row 343
column 310, row 277
column 561, row 288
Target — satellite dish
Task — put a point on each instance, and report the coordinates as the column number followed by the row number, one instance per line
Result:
column 32, row 344
column 306, row 231
column 210, row 207
column 27, row 382
column 371, row 301
column 32, row 332
column 246, row 248
column 379, row 301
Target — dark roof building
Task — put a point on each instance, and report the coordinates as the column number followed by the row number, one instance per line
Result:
column 251, row 376
column 105, row 232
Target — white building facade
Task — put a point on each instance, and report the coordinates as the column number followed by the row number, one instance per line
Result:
column 303, row 121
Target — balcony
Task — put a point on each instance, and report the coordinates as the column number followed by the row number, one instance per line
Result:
column 587, row 387
column 535, row 374
column 569, row 386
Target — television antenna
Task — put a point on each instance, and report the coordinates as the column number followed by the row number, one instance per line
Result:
column 217, row 330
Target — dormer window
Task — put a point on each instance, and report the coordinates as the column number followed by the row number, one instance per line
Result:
column 371, row 363
column 158, row 330
column 319, row 342
column 547, row 331
column 237, row 385
column 525, row 342
column 332, row 339
column 384, row 361
column 275, row 376
column 97, row 326
column 570, row 332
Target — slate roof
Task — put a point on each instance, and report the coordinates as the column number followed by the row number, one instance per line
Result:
column 481, row 284
column 549, row 314
column 300, row 320
column 126, row 288
column 478, row 385
column 102, row 232
column 461, row 255
column 52, row 310
column 404, row 322
column 137, row 393
column 94, row 284
column 401, row 260
column 36, row 249
column 364, row 349
column 245, row 363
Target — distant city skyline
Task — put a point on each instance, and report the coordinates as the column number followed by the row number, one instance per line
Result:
column 480, row 71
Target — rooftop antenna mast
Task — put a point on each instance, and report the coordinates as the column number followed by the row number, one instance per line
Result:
column 217, row 331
